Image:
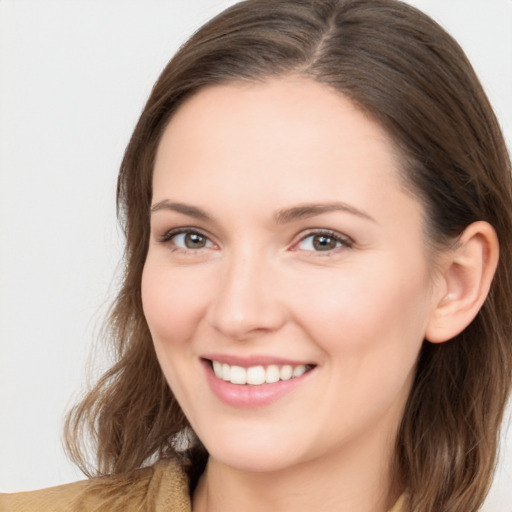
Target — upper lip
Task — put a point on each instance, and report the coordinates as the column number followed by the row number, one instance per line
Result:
column 253, row 360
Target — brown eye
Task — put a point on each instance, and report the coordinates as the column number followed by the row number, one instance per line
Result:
column 194, row 241
column 188, row 240
column 324, row 243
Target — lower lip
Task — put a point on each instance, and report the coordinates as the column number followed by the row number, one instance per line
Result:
column 247, row 396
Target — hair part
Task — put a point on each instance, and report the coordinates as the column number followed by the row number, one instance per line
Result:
column 405, row 72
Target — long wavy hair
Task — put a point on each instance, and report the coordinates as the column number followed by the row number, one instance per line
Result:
column 405, row 72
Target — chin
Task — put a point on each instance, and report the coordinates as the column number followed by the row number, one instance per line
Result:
column 250, row 456
column 252, row 462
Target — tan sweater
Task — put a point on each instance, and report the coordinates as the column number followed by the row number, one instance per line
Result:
column 162, row 487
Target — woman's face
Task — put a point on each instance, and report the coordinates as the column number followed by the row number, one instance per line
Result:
column 283, row 243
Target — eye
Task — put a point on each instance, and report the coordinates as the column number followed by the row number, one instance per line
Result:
column 187, row 240
column 324, row 241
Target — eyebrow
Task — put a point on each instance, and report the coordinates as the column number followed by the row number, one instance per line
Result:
column 282, row 216
column 186, row 209
column 305, row 211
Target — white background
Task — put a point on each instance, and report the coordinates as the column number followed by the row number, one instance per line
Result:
column 74, row 76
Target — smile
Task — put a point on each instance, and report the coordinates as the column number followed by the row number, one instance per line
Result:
column 257, row 381
column 258, row 375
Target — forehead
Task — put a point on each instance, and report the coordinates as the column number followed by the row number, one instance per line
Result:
column 285, row 140
column 287, row 109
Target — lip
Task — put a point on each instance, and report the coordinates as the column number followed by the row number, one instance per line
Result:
column 253, row 360
column 245, row 395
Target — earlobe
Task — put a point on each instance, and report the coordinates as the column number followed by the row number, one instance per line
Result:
column 464, row 283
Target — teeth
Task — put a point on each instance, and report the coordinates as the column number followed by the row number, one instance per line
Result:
column 299, row 370
column 257, row 375
column 217, row 368
column 238, row 375
column 286, row 372
column 272, row 374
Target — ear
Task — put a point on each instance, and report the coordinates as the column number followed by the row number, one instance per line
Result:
column 464, row 282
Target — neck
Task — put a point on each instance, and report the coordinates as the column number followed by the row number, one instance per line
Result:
column 355, row 480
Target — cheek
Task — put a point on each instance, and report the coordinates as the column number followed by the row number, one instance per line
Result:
column 172, row 308
column 370, row 328
column 381, row 309
column 172, row 303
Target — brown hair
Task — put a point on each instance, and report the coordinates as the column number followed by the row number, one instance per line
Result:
column 408, row 74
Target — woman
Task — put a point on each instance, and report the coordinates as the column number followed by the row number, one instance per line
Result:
column 317, row 204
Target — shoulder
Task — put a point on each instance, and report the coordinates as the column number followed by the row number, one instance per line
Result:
column 161, row 487
column 53, row 499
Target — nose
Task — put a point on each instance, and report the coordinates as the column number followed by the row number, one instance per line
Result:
column 246, row 301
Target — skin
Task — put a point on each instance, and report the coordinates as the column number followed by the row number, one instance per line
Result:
column 358, row 311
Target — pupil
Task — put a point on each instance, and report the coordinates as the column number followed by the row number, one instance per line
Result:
column 323, row 243
column 194, row 241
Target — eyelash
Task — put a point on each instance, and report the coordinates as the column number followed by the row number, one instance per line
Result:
column 168, row 236
column 344, row 241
